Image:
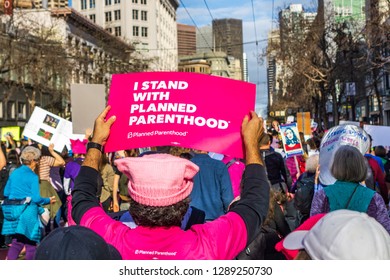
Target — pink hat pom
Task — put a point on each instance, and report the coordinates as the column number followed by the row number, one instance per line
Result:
column 79, row 147
column 158, row 179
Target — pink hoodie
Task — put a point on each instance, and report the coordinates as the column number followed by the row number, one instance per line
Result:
column 221, row 239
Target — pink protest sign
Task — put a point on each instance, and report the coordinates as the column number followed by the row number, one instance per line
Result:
column 179, row 109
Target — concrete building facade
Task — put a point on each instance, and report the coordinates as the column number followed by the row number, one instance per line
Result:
column 150, row 25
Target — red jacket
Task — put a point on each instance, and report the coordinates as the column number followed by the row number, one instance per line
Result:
column 379, row 178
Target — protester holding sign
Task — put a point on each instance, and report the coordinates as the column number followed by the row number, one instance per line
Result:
column 48, row 160
column 160, row 185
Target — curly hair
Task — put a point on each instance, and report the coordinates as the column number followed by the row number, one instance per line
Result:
column 152, row 216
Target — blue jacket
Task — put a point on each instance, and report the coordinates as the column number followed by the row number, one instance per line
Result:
column 212, row 190
column 23, row 183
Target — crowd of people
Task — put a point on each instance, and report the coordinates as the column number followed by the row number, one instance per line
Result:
column 180, row 203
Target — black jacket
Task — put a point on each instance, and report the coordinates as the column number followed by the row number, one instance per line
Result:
column 276, row 167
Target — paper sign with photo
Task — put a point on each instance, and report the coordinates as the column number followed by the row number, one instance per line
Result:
column 45, row 128
column 291, row 141
column 88, row 101
column 179, row 109
column 13, row 130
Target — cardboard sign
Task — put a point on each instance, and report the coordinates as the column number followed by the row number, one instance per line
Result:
column 291, row 141
column 88, row 101
column 304, row 123
column 46, row 128
column 380, row 134
column 14, row 130
column 332, row 140
column 179, row 109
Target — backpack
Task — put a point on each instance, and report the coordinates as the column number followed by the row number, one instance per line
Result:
column 5, row 172
column 304, row 196
column 263, row 246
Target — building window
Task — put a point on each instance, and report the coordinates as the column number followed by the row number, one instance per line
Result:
column 143, row 2
column 135, row 31
column 135, row 14
column 118, row 31
column 109, row 30
column 108, row 2
column 108, row 16
column 117, row 14
column 11, row 113
column 22, row 111
column 135, row 1
column 144, row 15
column 117, row 1
column 83, row 4
column 92, row 4
column 92, row 18
column 144, row 32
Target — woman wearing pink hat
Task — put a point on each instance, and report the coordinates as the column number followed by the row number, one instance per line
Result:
column 159, row 186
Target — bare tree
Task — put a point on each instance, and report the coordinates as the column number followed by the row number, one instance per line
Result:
column 42, row 59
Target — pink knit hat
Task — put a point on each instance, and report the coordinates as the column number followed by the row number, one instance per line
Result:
column 78, row 147
column 158, row 179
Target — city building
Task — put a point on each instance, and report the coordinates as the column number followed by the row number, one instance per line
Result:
column 44, row 51
column 38, row 4
column 149, row 25
column 245, row 68
column 204, row 39
column 228, row 38
column 186, row 39
column 214, row 63
column 377, row 29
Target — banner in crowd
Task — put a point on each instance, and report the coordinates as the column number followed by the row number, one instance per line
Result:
column 179, row 109
column 334, row 138
column 88, row 101
column 380, row 134
column 13, row 130
column 46, row 128
column 291, row 141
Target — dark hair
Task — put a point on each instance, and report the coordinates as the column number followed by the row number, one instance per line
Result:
column 13, row 157
column 349, row 165
column 265, row 139
column 186, row 156
column 380, row 151
column 45, row 151
column 164, row 216
column 293, row 141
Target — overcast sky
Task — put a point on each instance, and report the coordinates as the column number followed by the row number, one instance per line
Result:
column 257, row 22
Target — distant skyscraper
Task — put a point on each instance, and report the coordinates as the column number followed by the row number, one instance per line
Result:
column 294, row 23
column 204, row 39
column 186, row 39
column 228, row 37
column 245, row 68
column 150, row 25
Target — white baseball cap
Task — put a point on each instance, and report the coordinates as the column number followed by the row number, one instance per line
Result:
column 343, row 235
